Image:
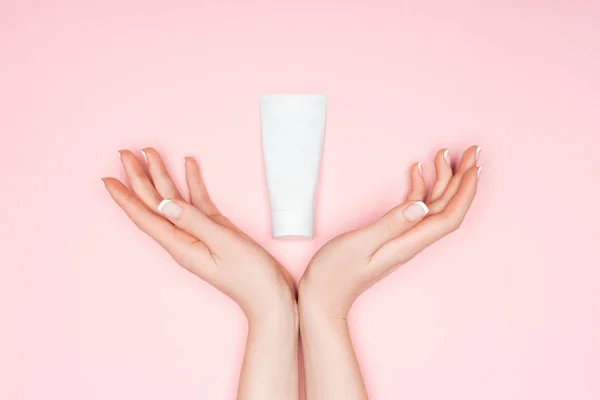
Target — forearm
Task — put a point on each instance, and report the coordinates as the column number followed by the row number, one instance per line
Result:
column 270, row 367
column 331, row 368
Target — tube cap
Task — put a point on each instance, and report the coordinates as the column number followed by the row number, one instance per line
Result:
column 292, row 224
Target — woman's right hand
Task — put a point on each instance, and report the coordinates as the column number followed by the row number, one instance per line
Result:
column 201, row 239
column 352, row 262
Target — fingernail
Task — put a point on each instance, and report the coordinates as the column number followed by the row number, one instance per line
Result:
column 145, row 156
column 103, row 181
column 447, row 156
column 170, row 209
column 420, row 168
column 415, row 211
column 478, row 172
column 120, row 155
column 477, row 153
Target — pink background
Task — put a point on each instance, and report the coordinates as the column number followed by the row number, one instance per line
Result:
column 506, row 308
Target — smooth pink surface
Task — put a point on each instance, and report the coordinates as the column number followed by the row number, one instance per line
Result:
column 506, row 308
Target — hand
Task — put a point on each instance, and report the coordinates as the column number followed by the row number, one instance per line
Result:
column 202, row 240
column 352, row 262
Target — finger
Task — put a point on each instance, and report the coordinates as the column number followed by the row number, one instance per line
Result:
column 160, row 177
column 199, row 196
column 429, row 230
column 139, row 181
column 154, row 225
column 394, row 223
column 193, row 221
column 468, row 160
column 402, row 217
column 443, row 174
column 417, row 183
column 184, row 248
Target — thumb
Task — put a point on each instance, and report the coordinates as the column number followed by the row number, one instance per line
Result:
column 191, row 220
column 395, row 222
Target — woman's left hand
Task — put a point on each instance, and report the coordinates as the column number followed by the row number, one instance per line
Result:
column 352, row 262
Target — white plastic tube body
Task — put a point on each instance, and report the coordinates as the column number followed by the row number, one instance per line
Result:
column 293, row 126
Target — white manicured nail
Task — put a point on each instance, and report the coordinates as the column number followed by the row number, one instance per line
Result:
column 415, row 211
column 477, row 153
column 170, row 209
column 478, row 172
column 145, row 156
column 420, row 168
column 447, row 156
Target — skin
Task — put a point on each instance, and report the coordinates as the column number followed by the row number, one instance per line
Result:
column 352, row 262
column 207, row 244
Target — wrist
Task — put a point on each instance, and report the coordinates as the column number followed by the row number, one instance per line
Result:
column 317, row 308
column 280, row 317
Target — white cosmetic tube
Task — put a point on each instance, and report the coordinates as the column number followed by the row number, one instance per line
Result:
column 293, row 126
